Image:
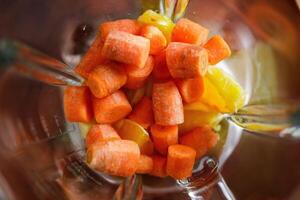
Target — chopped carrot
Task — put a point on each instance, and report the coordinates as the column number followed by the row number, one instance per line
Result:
column 180, row 161
column 159, row 166
column 191, row 90
column 77, row 104
column 217, row 49
column 142, row 113
column 160, row 70
column 201, row 139
column 126, row 48
column 91, row 59
column 145, row 165
column 100, row 132
column 136, row 77
column 186, row 60
column 126, row 25
column 115, row 157
column 189, row 32
column 163, row 137
column 157, row 39
column 111, row 108
column 106, row 79
column 167, row 104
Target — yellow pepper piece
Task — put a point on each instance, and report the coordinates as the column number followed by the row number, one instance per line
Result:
column 164, row 23
column 195, row 118
column 231, row 91
column 130, row 130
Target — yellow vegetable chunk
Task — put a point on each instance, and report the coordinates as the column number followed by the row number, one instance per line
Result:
column 164, row 23
column 130, row 130
column 195, row 118
column 230, row 90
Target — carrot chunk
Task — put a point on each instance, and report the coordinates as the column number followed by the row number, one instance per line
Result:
column 145, row 165
column 167, row 104
column 126, row 48
column 142, row 113
column 191, row 90
column 160, row 70
column 217, row 49
column 91, row 59
column 99, row 133
column 163, row 137
column 159, row 166
column 136, row 77
column 77, row 104
column 201, row 139
column 186, row 60
column 126, row 25
column 188, row 31
column 157, row 39
column 106, row 79
column 180, row 161
column 115, row 157
column 111, row 108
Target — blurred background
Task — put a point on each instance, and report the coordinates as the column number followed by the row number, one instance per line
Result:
column 260, row 167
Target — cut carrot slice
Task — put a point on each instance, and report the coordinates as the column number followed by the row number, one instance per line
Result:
column 126, row 25
column 126, row 48
column 157, row 39
column 91, row 59
column 145, row 165
column 180, row 161
column 167, row 104
column 136, row 77
column 189, row 32
column 106, row 79
column 77, row 104
column 111, row 108
column 99, row 133
column 186, row 60
column 191, row 90
column 159, row 166
column 115, row 157
column 142, row 113
column 163, row 137
column 217, row 49
column 201, row 139
column 160, row 70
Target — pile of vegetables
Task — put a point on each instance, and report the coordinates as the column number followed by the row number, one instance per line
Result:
column 151, row 96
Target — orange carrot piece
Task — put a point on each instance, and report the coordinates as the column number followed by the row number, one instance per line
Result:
column 77, row 104
column 126, row 48
column 217, row 49
column 201, row 139
column 99, row 133
column 163, row 137
column 142, row 113
column 191, row 90
column 167, row 104
column 136, row 77
column 159, row 166
column 157, row 39
column 145, row 165
column 111, row 108
column 126, row 25
column 188, row 31
column 106, row 79
column 115, row 157
column 186, row 60
column 160, row 70
column 91, row 59
column 180, row 161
